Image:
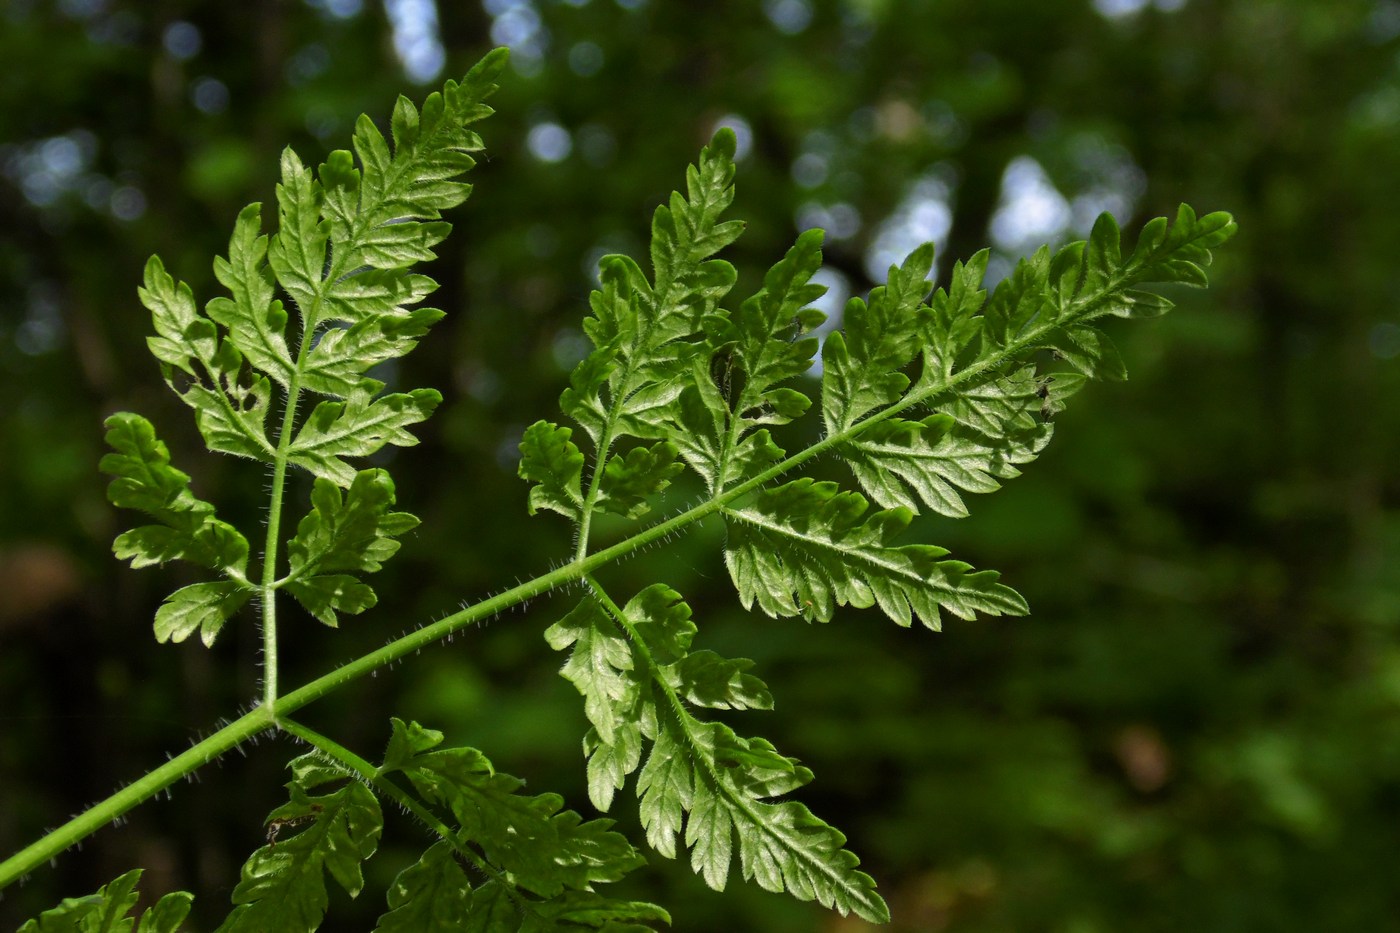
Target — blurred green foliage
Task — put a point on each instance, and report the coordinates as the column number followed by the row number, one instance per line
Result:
column 1195, row 729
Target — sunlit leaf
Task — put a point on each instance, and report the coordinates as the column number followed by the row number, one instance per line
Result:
column 283, row 889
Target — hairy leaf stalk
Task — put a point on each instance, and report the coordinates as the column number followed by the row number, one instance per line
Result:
column 925, row 399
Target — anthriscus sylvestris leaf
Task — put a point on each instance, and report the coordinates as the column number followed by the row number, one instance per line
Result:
column 358, row 427
column 230, row 408
column 630, row 479
column 433, row 895
column 637, row 673
column 343, row 535
column 107, row 911
column 903, row 463
column 805, row 547
column 200, row 607
column 255, row 320
column 861, row 363
column 283, row 889
column 647, row 333
column 543, row 848
column 554, row 464
column 144, row 479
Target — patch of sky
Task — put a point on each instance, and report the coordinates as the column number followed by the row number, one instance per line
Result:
column 585, row 59
column 743, row 133
column 209, row 95
column 307, row 63
column 1031, row 209
column 923, row 216
column 517, row 25
column 42, row 329
column 597, row 144
column 841, row 220
column 838, row 291
column 182, row 40
column 1121, row 9
column 788, row 16
column 549, row 141
column 338, row 9
column 416, row 40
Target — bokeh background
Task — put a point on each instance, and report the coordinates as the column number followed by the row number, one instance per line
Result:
column 1198, row 727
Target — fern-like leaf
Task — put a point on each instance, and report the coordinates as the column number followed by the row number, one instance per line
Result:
column 924, row 399
column 145, row 480
column 283, row 889
column 805, row 547
column 107, row 911
column 344, row 535
column 433, row 895
column 540, row 847
column 346, row 239
column 639, row 679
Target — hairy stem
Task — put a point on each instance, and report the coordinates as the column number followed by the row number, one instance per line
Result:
column 95, row 817
column 268, row 589
column 266, row 716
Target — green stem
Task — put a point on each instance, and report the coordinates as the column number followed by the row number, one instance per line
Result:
column 95, row 817
column 265, row 717
column 270, row 583
column 595, row 484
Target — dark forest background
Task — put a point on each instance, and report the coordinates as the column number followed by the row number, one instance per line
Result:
column 1199, row 725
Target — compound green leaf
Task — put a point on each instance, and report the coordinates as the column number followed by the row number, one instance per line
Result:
column 629, row 480
column 255, row 320
column 574, row 911
column 552, row 462
column 1179, row 253
column 720, row 780
column 230, row 410
column 385, row 215
column 770, row 341
column 200, row 607
column 283, row 889
column 647, row 334
column 901, row 463
column 862, row 362
column 700, row 779
column 357, row 428
column 493, row 911
column 1021, row 298
column 708, row 679
column 351, row 532
column 167, row 914
column 107, row 911
column 103, row 912
column 951, row 322
column 298, row 251
column 144, row 479
column 539, row 846
column 666, row 789
column 806, row 547
column 1088, row 350
column 609, row 763
column 1103, row 258
column 336, row 365
column 344, row 535
column 326, row 594
column 600, row 666
column 433, row 895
